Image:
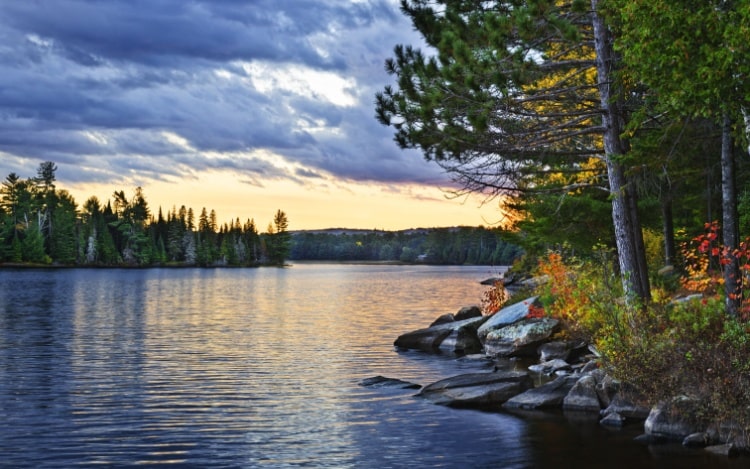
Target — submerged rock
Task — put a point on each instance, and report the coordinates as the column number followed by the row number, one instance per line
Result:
column 383, row 382
column 477, row 390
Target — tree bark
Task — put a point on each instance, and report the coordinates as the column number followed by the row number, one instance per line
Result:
column 670, row 250
column 730, row 225
column 628, row 234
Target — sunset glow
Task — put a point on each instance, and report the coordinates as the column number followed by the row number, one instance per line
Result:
column 241, row 107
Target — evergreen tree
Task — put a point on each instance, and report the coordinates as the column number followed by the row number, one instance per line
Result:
column 278, row 240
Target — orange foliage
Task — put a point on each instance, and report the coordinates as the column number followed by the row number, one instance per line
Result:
column 705, row 258
column 569, row 299
column 494, row 298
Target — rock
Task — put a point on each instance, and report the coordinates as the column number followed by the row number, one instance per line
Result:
column 550, row 367
column 583, row 396
column 507, row 316
column 590, row 366
column 553, row 350
column 729, row 432
column 607, row 388
column 613, row 420
column 545, row 396
column 461, row 340
column 649, row 439
column 626, row 408
column 383, row 382
column 687, row 298
column 492, row 281
column 697, row 440
column 445, row 318
column 468, row 312
column 671, row 421
column 581, row 352
column 462, row 337
column 477, row 390
column 728, row 450
column 533, row 283
column 519, row 339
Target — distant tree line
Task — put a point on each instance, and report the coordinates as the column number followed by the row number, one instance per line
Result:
column 461, row 245
column 41, row 224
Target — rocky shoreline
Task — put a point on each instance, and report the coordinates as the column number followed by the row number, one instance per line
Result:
column 563, row 375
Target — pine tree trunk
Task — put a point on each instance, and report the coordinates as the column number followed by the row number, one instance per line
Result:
column 628, row 235
column 670, row 250
column 730, row 225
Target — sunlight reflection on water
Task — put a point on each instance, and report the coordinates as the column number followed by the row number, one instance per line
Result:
column 239, row 368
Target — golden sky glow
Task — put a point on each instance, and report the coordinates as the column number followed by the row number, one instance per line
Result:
column 241, row 107
column 328, row 204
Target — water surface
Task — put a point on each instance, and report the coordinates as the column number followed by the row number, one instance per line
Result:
column 260, row 368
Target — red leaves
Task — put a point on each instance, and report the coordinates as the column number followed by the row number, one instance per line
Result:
column 536, row 312
column 706, row 263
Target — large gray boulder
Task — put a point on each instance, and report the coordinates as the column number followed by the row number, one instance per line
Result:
column 545, row 396
column 519, row 339
column 672, row 420
column 507, row 316
column 477, row 390
column 625, row 406
column 455, row 336
column 583, row 396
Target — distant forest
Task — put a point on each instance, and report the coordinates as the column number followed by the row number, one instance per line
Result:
column 461, row 245
column 43, row 225
column 40, row 224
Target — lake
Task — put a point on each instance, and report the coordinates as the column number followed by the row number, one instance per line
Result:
column 261, row 368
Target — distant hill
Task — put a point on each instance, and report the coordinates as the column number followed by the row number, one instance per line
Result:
column 451, row 245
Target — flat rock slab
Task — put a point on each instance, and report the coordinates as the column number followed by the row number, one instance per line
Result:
column 477, row 390
column 383, row 382
column 545, row 396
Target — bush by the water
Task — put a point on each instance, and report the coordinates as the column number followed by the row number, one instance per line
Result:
column 682, row 344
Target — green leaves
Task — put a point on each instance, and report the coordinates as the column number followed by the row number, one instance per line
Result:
column 502, row 86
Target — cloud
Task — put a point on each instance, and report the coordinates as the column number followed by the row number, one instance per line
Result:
column 165, row 89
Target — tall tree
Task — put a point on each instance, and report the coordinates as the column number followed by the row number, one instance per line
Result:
column 278, row 242
column 516, row 91
column 696, row 59
column 64, row 240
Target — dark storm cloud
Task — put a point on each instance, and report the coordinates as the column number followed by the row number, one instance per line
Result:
column 152, row 87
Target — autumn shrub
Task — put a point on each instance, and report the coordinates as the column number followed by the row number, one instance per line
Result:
column 686, row 349
column 665, row 348
column 578, row 293
column 689, row 347
column 705, row 261
column 494, row 298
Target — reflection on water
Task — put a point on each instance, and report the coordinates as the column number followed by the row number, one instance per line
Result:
column 253, row 368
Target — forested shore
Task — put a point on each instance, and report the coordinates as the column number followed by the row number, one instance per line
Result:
column 43, row 225
column 615, row 136
column 454, row 246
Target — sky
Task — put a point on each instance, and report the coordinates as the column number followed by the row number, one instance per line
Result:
column 244, row 107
